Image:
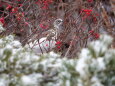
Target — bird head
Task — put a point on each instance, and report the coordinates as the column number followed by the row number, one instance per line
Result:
column 58, row 23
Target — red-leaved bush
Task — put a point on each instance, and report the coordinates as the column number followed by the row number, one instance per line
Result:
column 83, row 21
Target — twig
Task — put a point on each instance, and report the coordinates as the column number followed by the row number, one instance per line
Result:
column 72, row 41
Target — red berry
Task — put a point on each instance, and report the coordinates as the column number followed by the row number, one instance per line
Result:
column 2, row 20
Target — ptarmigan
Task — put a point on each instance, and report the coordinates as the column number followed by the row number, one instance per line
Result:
column 47, row 43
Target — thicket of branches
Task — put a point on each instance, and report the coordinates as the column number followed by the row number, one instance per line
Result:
column 83, row 21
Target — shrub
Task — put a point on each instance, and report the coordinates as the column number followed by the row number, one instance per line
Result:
column 19, row 66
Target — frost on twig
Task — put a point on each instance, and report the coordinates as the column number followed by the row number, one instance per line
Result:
column 19, row 66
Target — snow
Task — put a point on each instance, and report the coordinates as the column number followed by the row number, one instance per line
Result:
column 98, row 47
column 9, row 47
column 27, row 80
column 96, row 82
column 66, row 74
column 101, row 64
column 9, row 38
column 2, row 82
column 68, row 83
column 85, row 69
column 82, row 64
column 16, row 44
column 85, row 53
column 32, row 79
column 1, row 41
column 1, row 28
column 106, row 39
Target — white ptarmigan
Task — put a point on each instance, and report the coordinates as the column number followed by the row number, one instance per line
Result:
column 43, row 45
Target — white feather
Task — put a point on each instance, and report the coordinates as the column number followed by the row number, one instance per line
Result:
column 42, row 46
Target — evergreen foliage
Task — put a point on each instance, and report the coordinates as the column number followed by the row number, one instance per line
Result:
column 20, row 66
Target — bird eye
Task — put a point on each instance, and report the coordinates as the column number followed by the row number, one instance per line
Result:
column 59, row 22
